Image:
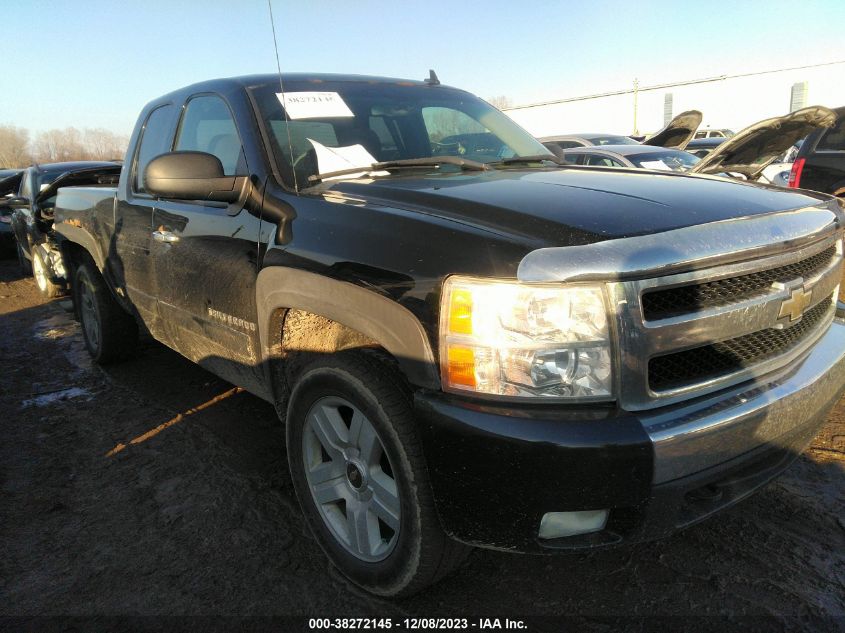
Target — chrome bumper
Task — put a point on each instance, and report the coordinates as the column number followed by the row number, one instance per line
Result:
column 690, row 438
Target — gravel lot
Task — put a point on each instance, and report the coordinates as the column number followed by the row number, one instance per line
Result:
column 197, row 516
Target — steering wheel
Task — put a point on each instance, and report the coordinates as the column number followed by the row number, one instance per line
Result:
column 448, row 149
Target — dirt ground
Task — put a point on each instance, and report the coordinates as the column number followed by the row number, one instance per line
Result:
column 197, row 516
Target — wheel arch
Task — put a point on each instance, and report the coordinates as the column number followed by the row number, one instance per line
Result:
column 366, row 317
column 77, row 240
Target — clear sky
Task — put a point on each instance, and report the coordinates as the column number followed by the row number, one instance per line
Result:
column 95, row 63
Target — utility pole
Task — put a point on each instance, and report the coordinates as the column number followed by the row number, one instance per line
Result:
column 636, row 96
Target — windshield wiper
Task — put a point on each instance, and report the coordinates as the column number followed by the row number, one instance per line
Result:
column 406, row 163
column 529, row 159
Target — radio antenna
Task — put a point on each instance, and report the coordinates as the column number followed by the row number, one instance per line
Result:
column 282, row 100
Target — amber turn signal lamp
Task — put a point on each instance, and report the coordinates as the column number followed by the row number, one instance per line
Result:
column 460, row 311
column 460, row 366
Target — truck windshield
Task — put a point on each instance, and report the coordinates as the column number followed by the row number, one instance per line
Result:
column 332, row 126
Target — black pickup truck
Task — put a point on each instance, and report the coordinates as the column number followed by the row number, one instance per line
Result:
column 470, row 343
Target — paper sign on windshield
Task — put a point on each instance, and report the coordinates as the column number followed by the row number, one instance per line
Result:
column 314, row 105
column 349, row 157
column 655, row 164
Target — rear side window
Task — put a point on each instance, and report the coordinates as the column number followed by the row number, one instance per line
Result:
column 208, row 126
column 155, row 140
column 834, row 138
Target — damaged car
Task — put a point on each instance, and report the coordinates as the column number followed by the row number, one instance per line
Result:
column 678, row 132
column 750, row 151
column 30, row 212
column 633, row 156
column 751, row 154
column 9, row 182
column 820, row 161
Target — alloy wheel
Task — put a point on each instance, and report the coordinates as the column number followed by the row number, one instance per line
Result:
column 351, row 479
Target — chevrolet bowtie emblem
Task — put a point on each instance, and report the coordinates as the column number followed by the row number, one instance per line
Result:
column 796, row 304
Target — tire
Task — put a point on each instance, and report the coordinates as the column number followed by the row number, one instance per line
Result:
column 41, row 274
column 335, row 396
column 23, row 262
column 110, row 333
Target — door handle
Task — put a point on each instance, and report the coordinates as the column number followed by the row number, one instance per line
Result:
column 165, row 236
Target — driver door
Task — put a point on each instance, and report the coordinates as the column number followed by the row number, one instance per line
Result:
column 205, row 256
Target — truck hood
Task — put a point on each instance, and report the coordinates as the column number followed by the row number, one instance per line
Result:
column 573, row 205
column 678, row 132
column 753, row 149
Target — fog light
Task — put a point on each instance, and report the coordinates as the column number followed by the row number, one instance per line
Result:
column 560, row 524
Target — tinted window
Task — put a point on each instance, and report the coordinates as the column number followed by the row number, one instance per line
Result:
column 155, row 140
column 568, row 144
column 834, row 138
column 388, row 136
column 602, row 161
column 208, row 126
column 46, row 178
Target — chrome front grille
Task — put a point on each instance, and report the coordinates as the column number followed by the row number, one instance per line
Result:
column 661, row 304
column 688, row 334
column 671, row 371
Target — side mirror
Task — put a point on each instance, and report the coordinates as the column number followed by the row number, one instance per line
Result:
column 191, row 176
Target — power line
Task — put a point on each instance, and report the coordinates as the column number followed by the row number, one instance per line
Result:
column 689, row 82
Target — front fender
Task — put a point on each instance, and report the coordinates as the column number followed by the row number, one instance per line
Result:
column 394, row 327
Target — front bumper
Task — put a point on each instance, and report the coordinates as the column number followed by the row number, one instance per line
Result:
column 496, row 470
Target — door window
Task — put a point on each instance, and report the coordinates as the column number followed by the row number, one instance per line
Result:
column 207, row 126
column 155, row 140
column 834, row 138
column 602, row 161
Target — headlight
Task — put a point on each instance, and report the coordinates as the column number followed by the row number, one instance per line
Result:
column 519, row 340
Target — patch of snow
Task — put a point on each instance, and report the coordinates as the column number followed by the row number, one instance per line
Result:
column 46, row 399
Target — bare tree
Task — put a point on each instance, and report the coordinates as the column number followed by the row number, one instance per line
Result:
column 501, row 102
column 14, row 146
column 101, row 144
column 53, row 146
column 68, row 144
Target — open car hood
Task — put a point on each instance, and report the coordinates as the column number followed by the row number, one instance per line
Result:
column 99, row 175
column 753, row 149
column 678, row 132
